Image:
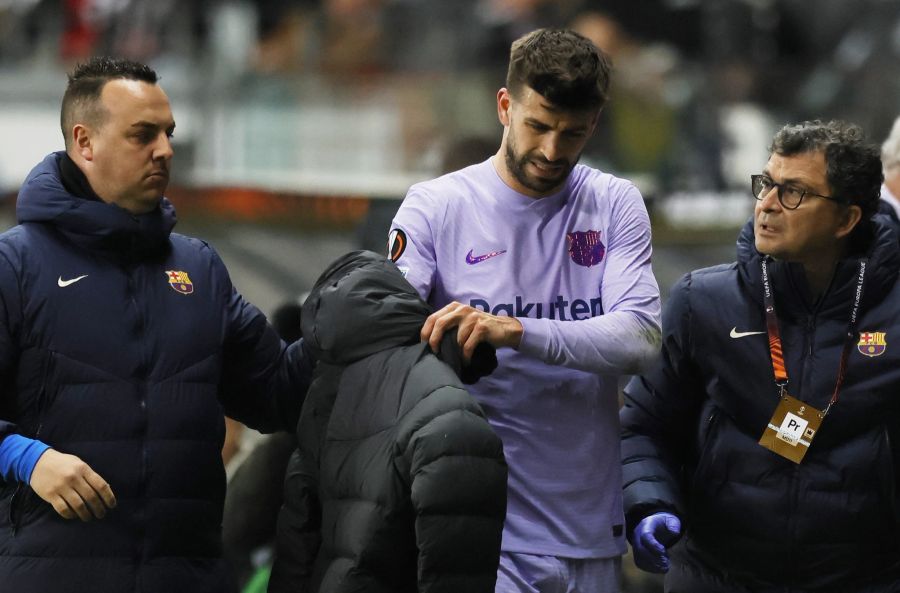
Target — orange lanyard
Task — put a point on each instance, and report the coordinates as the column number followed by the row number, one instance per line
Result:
column 781, row 377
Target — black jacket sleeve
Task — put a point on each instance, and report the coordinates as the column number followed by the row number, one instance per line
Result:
column 10, row 323
column 264, row 381
column 298, row 536
column 457, row 476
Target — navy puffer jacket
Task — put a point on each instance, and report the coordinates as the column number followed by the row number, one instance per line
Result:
column 754, row 520
column 122, row 344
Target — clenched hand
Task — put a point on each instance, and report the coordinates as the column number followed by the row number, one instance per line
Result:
column 474, row 326
column 71, row 486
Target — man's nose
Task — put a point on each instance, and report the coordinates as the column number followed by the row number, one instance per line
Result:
column 163, row 148
column 770, row 199
column 550, row 148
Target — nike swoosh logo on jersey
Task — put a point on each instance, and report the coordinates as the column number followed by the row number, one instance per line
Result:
column 63, row 283
column 736, row 334
column 477, row 259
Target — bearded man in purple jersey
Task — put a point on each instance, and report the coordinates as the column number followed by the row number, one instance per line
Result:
column 549, row 261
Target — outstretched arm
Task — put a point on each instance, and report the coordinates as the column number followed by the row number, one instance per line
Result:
column 264, row 381
column 658, row 419
column 623, row 339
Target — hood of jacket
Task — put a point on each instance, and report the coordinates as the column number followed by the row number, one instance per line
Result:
column 880, row 247
column 361, row 305
column 88, row 222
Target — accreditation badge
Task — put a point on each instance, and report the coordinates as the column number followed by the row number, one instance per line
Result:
column 792, row 428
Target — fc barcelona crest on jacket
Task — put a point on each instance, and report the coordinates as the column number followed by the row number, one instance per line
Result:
column 872, row 343
column 180, row 281
column 585, row 247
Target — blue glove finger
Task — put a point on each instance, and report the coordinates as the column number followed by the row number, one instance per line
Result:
column 667, row 531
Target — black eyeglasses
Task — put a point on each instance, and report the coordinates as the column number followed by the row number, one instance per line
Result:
column 789, row 195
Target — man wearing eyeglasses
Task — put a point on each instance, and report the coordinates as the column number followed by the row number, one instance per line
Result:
column 765, row 442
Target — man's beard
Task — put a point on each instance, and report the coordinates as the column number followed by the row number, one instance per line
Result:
column 541, row 185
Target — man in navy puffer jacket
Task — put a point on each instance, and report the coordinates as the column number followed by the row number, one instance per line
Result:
column 121, row 344
column 713, row 446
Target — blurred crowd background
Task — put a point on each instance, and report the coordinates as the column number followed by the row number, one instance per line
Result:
column 300, row 124
column 363, row 97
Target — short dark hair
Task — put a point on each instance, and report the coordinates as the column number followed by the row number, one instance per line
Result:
column 562, row 66
column 852, row 165
column 81, row 101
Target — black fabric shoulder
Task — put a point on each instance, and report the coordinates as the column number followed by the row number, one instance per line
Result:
column 432, row 388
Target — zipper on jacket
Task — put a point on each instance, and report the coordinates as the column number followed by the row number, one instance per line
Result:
column 140, row 515
column 703, row 450
column 14, row 517
column 892, row 478
column 140, row 379
column 792, row 529
column 42, row 395
column 709, row 421
column 810, row 330
column 40, row 411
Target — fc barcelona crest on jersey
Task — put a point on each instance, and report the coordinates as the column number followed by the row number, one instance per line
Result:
column 180, row 281
column 872, row 343
column 585, row 247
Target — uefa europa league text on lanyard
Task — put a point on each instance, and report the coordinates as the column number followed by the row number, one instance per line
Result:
column 795, row 423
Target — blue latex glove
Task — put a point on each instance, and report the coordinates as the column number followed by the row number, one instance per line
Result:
column 650, row 539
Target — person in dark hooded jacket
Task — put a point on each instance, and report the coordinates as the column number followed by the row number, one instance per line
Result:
column 399, row 484
column 121, row 343
column 767, row 433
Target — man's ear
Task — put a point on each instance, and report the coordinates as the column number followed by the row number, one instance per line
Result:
column 503, row 103
column 81, row 141
column 850, row 218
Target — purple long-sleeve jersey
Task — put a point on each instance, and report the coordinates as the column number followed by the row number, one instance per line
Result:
column 575, row 269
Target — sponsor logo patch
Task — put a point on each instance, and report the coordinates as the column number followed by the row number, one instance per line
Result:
column 872, row 343
column 396, row 244
column 180, row 281
column 585, row 247
column 562, row 308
